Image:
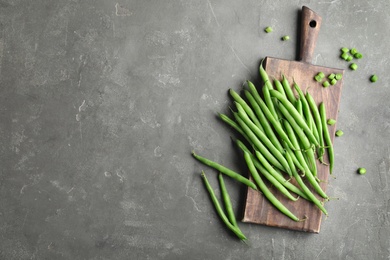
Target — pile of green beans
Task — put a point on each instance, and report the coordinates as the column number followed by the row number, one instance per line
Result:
column 283, row 136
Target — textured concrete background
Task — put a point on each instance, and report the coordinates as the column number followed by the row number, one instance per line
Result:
column 102, row 102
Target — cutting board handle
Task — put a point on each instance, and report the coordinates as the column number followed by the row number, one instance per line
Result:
column 310, row 27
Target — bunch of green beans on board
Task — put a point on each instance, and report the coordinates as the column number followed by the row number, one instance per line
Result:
column 283, row 136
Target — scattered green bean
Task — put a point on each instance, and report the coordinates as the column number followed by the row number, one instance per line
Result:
column 331, row 76
column 353, row 66
column 220, row 211
column 327, row 139
column 268, row 29
column 339, row 76
column 349, row 58
column 227, row 201
column 339, row 133
column 321, row 74
column 286, row 38
column 345, row 56
column 362, row 171
column 344, row 49
column 267, row 193
column 353, row 51
column 358, row 55
column 225, row 170
column 374, row 78
column 331, row 121
column 325, row 84
column 333, row 81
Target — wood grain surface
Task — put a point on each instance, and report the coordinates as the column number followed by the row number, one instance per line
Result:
column 257, row 208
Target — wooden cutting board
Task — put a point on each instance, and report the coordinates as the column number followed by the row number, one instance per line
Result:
column 257, row 208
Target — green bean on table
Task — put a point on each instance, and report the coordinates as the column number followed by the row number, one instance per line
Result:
column 220, row 211
column 227, row 201
column 327, row 139
column 225, row 170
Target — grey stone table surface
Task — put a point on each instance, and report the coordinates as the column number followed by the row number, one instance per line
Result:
column 103, row 101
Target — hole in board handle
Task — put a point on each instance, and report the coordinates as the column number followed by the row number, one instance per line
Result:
column 313, row 23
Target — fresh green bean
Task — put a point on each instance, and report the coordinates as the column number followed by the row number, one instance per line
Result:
column 267, row 193
column 318, row 124
column 339, row 76
column 333, row 82
column 220, row 211
column 358, row 55
column 362, row 171
column 331, row 121
column 325, row 84
column 302, row 137
column 233, row 124
column 263, row 120
column 258, row 144
column 279, row 87
column 270, row 104
column 298, row 106
column 268, row 29
column 225, row 170
column 246, row 107
column 349, row 58
column 339, row 133
column 274, row 182
column 295, row 115
column 305, row 106
column 264, row 140
column 305, row 189
column 353, row 66
column 286, row 38
column 327, row 139
column 344, row 49
column 374, row 78
column 227, row 201
column 273, row 172
column 287, row 89
column 264, row 76
column 331, row 76
column 299, row 155
column 353, row 51
column 277, row 126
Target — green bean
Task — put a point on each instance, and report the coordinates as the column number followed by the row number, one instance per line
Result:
column 246, row 107
column 227, row 201
column 258, row 144
column 331, row 76
column 265, row 140
column 294, row 113
column 331, row 121
column 277, row 126
column 339, row 133
column 298, row 106
column 264, row 76
column 299, row 155
column 302, row 137
column 267, row 193
column 279, row 87
column 273, row 172
column 349, row 58
column 353, row 51
column 287, row 89
column 305, row 105
column 305, row 189
column 345, row 56
column 318, row 124
column 268, row 29
column 233, row 124
column 220, row 211
column 285, row 38
column 269, row 102
column 273, row 181
column 344, row 49
column 362, row 171
column 327, row 139
column 325, row 84
column 374, row 78
column 263, row 120
column 353, row 66
column 333, row 82
column 358, row 55
column 339, row 76
column 225, row 170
